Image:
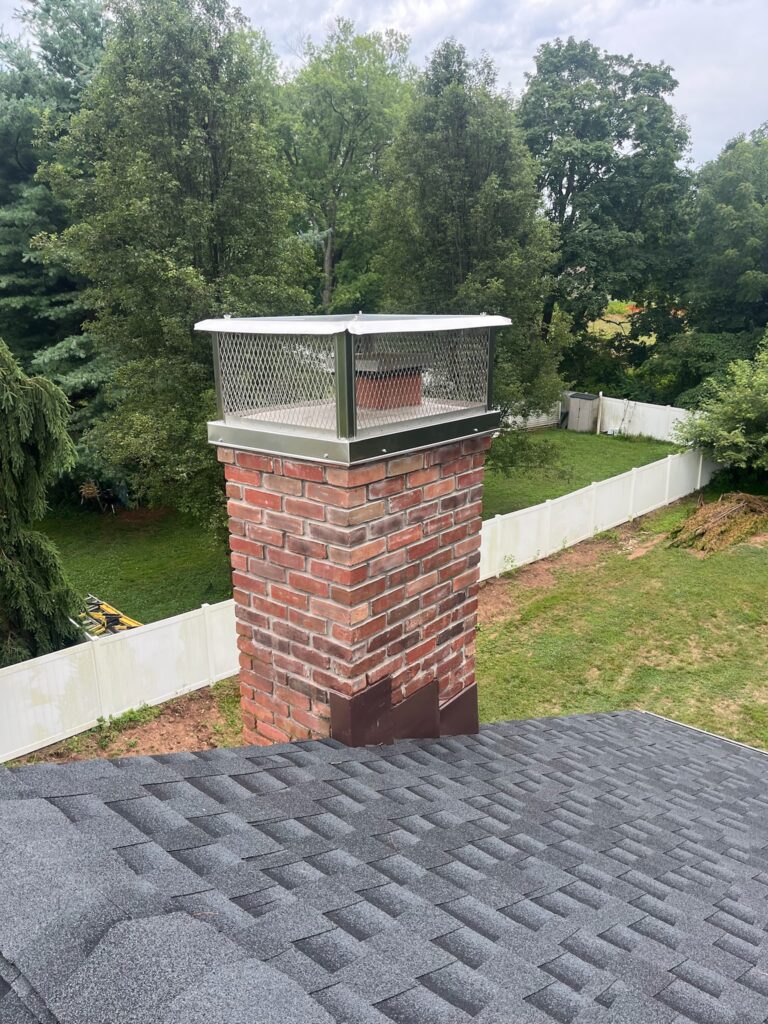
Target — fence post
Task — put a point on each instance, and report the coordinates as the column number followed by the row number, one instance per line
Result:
column 668, row 479
column 701, row 470
column 97, row 677
column 548, row 527
column 632, row 482
column 593, row 509
column 599, row 411
column 205, row 608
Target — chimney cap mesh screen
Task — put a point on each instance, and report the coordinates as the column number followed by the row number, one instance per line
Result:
column 292, row 381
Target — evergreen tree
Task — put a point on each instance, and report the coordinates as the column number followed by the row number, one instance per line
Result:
column 40, row 85
column 180, row 209
column 460, row 223
column 35, row 448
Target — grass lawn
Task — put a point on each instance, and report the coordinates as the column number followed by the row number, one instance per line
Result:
column 150, row 565
column 593, row 630
column 580, row 459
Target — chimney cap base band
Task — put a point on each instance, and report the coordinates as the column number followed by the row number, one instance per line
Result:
column 349, row 451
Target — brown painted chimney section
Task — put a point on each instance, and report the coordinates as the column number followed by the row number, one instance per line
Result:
column 356, row 593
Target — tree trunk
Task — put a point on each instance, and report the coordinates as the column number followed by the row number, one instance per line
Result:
column 329, row 253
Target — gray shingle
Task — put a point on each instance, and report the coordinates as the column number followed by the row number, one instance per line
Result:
column 599, row 869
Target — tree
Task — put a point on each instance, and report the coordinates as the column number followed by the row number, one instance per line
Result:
column 36, row 602
column 179, row 209
column 608, row 146
column 732, row 425
column 340, row 114
column 724, row 294
column 728, row 285
column 40, row 86
column 460, row 223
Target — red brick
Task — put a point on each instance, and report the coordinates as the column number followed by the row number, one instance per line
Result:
column 308, row 584
column 304, row 509
column 348, row 576
column 385, row 563
column 242, row 581
column 317, row 725
column 282, row 484
column 238, row 561
column 355, row 516
column 356, row 476
column 405, row 464
column 385, row 488
column 343, row 497
column 471, row 479
column 420, row 651
column 421, row 584
column 225, row 454
column 234, row 491
column 262, row 499
column 424, row 476
column 357, row 555
column 243, row 476
column 304, row 470
column 249, row 460
column 272, row 733
column 304, row 546
column 456, row 466
column 265, row 535
column 439, row 489
column 387, row 601
column 425, row 547
column 354, row 635
column 477, row 444
column 408, row 499
column 261, row 604
column 287, row 559
column 247, row 547
column 404, row 537
column 357, row 595
column 289, row 597
column 348, row 616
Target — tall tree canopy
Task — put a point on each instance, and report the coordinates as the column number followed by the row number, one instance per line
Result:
column 41, row 81
column 728, row 285
column 460, row 223
column 180, row 209
column 35, row 600
column 340, row 114
column 608, row 145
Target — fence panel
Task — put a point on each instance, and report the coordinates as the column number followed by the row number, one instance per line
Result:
column 59, row 695
column 533, row 533
column 621, row 416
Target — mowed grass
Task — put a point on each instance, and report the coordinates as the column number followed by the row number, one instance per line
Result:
column 579, row 459
column 150, row 565
column 667, row 632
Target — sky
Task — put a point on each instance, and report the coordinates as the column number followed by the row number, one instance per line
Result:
column 716, row 47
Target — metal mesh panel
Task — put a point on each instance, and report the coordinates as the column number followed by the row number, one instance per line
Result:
column 285, row 379
column 402, row 377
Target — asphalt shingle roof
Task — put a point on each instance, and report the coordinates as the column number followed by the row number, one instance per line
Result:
column 601, row 868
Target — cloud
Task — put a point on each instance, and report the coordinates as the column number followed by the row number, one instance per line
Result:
column 715, row 46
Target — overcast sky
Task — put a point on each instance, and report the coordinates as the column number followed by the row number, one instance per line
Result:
column 717, row 47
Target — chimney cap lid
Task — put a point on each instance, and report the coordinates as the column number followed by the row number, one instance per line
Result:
column 360, row 323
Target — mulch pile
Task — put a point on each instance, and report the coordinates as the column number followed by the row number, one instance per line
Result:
column 720, row 524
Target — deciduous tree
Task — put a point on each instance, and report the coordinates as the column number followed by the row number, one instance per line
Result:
column 180, row 209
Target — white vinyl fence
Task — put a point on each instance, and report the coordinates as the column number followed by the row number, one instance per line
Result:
column 621, row 416
column 531, row 533
column 618, row 416
column 59, row 695
column 54, row 697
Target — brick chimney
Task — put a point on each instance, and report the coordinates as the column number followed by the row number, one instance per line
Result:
column 353, row 450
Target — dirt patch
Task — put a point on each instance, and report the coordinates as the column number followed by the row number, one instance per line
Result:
column 193, row 722
column 642, row 548
column 497, row 597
